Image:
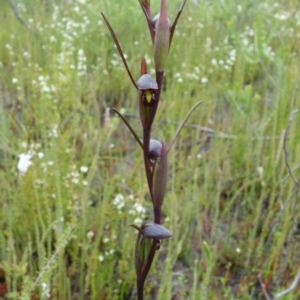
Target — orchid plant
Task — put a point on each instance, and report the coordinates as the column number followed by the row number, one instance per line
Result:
column 155, row 152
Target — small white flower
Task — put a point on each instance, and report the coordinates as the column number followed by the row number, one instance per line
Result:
column 238, row 250
column 84, row 169
column 90, row 235
column 139, row 208
column 75, row 180
column 260, row 171
column 45, row 89
column 101, row 258
column 52, row 39
column 138, row 221
column 14, row 80
column 24, row 145
column 282, row 16
column 204, row 80
column 119, row 201
column 45, row 290
column 40, row 155
column 24, row 163
column 110, row 252
column 54, row 131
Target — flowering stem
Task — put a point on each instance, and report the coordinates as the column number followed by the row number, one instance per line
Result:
column 147, row 163
column 140, row 282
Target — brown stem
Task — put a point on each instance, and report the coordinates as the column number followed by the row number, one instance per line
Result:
column 140, row 288
column 157, row 215
column 147, row 163
column 150, row 259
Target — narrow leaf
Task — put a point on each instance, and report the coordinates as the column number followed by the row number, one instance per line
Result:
column 207, row 251
column 176, row 20
column 119, row 48
column 129, row 127
column 181, row 125
column 147, row 14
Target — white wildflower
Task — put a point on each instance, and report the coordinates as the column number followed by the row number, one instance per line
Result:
column 40, row 155
column 84, row 169
column 90, row 235
column 101, row 258
column 45, row 290
column 75, row 180
column 260, row 171
column 24, row 163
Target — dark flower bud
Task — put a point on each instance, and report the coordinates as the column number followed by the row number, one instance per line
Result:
column 156, row 231
column 155, row 19
column 155, row 149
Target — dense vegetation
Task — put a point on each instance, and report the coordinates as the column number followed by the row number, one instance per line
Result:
column 72, row 177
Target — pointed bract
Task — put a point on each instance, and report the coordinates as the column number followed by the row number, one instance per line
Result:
column 162, row 38
column 160, row 178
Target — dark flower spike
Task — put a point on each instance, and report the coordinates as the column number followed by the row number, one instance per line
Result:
column 175, row 21
column 129, row 127
column 119, row 48
column 181, row 125
column 156, row 231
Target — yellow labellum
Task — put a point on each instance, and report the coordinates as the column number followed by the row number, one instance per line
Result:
column 148, row 95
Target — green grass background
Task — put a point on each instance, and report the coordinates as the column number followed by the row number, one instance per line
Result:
column 64, row 233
